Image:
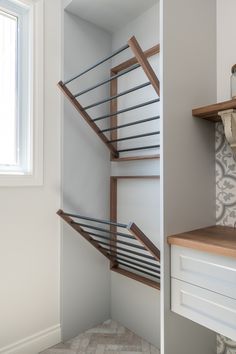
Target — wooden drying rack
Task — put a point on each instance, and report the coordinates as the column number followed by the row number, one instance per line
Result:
column 139, row 60
column 113, row 217
column 143, row 56
column 138, row 258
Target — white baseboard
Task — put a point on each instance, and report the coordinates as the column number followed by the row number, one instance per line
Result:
column 35, row 343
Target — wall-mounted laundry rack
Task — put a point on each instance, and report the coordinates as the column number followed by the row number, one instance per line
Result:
column 130, row 251
column 109, row 135
column 132, row 255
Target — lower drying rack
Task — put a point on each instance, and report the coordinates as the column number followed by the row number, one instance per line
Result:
column 130, row 251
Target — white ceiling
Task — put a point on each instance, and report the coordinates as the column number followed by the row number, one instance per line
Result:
column 109, row 14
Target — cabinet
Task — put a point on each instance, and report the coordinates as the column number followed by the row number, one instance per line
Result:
column 203, row 278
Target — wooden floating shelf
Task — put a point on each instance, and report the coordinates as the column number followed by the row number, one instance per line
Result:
column 217, row 239
column 211, row 112
column 130, row 251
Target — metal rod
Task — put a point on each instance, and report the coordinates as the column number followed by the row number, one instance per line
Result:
column 106, row 222
column 117, row 241
column 118, row 95
column 98, row 63
column 127, row 109
column 115, row 254
column 140, row 148
column 104, row 230
column 139, row 270
column 134, row 137
column 128, row 251
column 107, row 80
column 136, row 264
column 129, row 124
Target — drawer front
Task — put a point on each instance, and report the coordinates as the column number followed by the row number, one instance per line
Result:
column 212, row 272
column 214, row 311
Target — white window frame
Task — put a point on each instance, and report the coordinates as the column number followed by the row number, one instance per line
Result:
column 34, row 175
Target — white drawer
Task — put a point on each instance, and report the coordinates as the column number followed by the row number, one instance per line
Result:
column 214, row 311
column 212, row 272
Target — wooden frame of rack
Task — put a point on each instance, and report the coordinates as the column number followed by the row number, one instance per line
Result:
column 135, row 230
column 138, row 254
column 114, row 91
column 139, row 60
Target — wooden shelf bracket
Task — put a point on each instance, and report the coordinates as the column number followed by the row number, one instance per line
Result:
column 229, row 121
column 225, row 112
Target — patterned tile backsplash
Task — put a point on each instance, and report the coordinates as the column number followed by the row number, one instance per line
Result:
column 225, row 205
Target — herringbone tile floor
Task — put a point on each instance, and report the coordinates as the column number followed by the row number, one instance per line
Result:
column 108, row 338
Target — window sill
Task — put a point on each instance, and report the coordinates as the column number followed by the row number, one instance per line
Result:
column 21, row 180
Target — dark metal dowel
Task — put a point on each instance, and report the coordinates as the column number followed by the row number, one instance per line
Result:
column 127, row 109
column 130, row 124
column 117, row 96
column 107, row 80
column 136, row 264
column 134, row 137
column 115, row 254
column 129, row 251
column 139, row 270
column 106, row 222
column 98, row 63
column 116, row 241
column 104, row 230
column 140, row 148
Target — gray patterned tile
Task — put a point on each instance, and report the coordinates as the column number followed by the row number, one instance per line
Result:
column 225, row 205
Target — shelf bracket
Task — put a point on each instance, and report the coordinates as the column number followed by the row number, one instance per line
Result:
column 229, row 121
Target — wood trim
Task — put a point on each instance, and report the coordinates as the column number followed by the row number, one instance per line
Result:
column 210, row 112
column 113, row 109
column 126, row 64
column 133, row 228
column 87, row 117
column 113, row 216
column 137, row 277
column 113, row 182
column 136, row 177
column 134, row 158
column 115, row 70
column 142, row 60
column 217, row 239
column 141, row 237
column 84, row 234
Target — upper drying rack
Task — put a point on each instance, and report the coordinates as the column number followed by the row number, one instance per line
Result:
column 109, row 134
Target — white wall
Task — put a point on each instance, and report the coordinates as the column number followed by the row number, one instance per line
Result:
column 86, row 170
column 30, row 235
column 138, row 200
column 226, row 50
column 188, row 181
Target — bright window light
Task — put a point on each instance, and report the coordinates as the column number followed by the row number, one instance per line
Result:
column 21, row 92
column 15, row 89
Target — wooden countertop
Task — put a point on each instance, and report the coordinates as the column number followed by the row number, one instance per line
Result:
column 220, row 240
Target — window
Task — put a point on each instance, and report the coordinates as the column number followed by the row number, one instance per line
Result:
column 21, row 102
